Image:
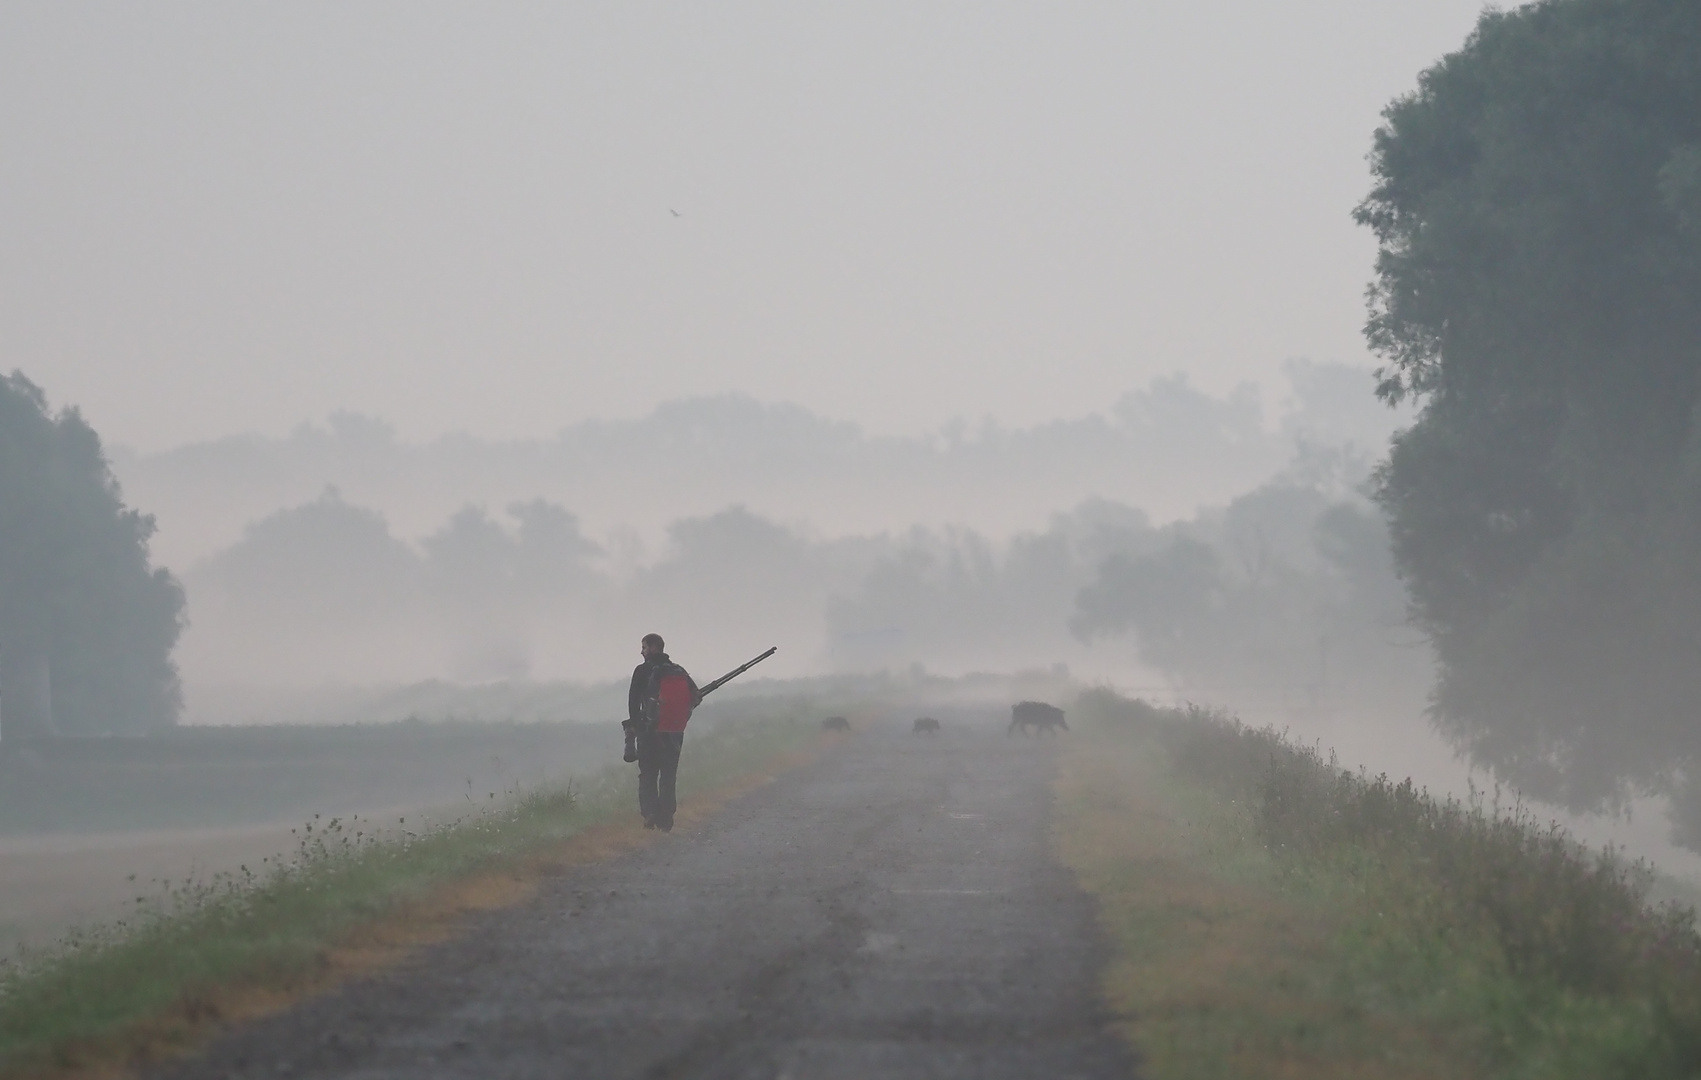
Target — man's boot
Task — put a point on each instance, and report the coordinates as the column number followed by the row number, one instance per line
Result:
column 631, row 744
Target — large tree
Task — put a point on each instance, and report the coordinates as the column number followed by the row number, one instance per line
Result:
column 1538, row 205
column 86, row 625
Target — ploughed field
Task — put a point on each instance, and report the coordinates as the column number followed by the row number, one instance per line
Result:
column 87, row 825
column 893, row 909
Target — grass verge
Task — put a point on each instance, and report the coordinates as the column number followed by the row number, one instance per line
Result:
column 1275, row 916
column 354, row 896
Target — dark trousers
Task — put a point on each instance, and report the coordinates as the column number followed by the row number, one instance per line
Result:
column 658, row 769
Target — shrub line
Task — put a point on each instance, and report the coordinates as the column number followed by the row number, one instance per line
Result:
column 1519, row 950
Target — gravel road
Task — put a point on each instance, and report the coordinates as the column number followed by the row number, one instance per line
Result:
column 892, row 910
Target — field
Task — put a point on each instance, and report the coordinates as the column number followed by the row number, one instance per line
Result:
column 1268, row 914
column 350, row 893
column 85, row 825
column 88, row 825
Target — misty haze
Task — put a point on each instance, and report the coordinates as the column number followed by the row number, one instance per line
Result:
column 364, row 559
column 643, row 541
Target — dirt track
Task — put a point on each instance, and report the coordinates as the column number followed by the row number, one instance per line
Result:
column 892, row 910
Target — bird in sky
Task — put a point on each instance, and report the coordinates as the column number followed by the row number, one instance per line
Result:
column 674, row 212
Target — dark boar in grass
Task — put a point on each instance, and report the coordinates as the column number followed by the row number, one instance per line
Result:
column 1033, row 716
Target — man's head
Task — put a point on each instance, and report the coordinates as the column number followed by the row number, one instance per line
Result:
column 652, row 646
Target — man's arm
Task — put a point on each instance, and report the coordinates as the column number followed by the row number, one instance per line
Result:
column 635, row 696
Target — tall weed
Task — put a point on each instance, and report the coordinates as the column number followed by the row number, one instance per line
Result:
column 1560, row 942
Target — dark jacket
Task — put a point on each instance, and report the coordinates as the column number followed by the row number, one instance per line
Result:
column 646, row 682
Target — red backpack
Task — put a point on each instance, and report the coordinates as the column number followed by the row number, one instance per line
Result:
column 673, row 700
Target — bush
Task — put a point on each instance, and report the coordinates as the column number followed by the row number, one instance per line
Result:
column 1565, row 927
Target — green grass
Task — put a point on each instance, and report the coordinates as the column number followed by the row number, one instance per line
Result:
column 1276, row 915
column 147, row 985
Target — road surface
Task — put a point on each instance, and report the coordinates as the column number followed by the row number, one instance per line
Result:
column 891, row 910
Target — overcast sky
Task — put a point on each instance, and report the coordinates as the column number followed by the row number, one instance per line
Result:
column 504, row 218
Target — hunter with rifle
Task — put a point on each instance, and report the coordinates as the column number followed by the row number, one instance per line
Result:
column 658, row 707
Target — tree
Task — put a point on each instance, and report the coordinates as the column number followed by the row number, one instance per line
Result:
column 1284, row 599
column 1168, row 598
column 1537, row 202
column 496, row 587
column 86, row 626
column 314, row 592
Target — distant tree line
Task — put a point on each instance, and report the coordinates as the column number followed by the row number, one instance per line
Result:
column 86, row 625
column 1167, row 447
column 1283, row 601
column 1537, row 201
column 325, row 592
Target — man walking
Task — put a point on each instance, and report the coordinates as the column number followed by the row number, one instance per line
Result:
column 657, row 708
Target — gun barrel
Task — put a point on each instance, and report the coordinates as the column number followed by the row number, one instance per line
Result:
column 705, row 691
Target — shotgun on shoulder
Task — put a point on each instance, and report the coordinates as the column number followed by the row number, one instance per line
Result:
column 704, row 691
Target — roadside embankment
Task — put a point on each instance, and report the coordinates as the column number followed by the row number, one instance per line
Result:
column 355, row 895
column 1274, row 915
